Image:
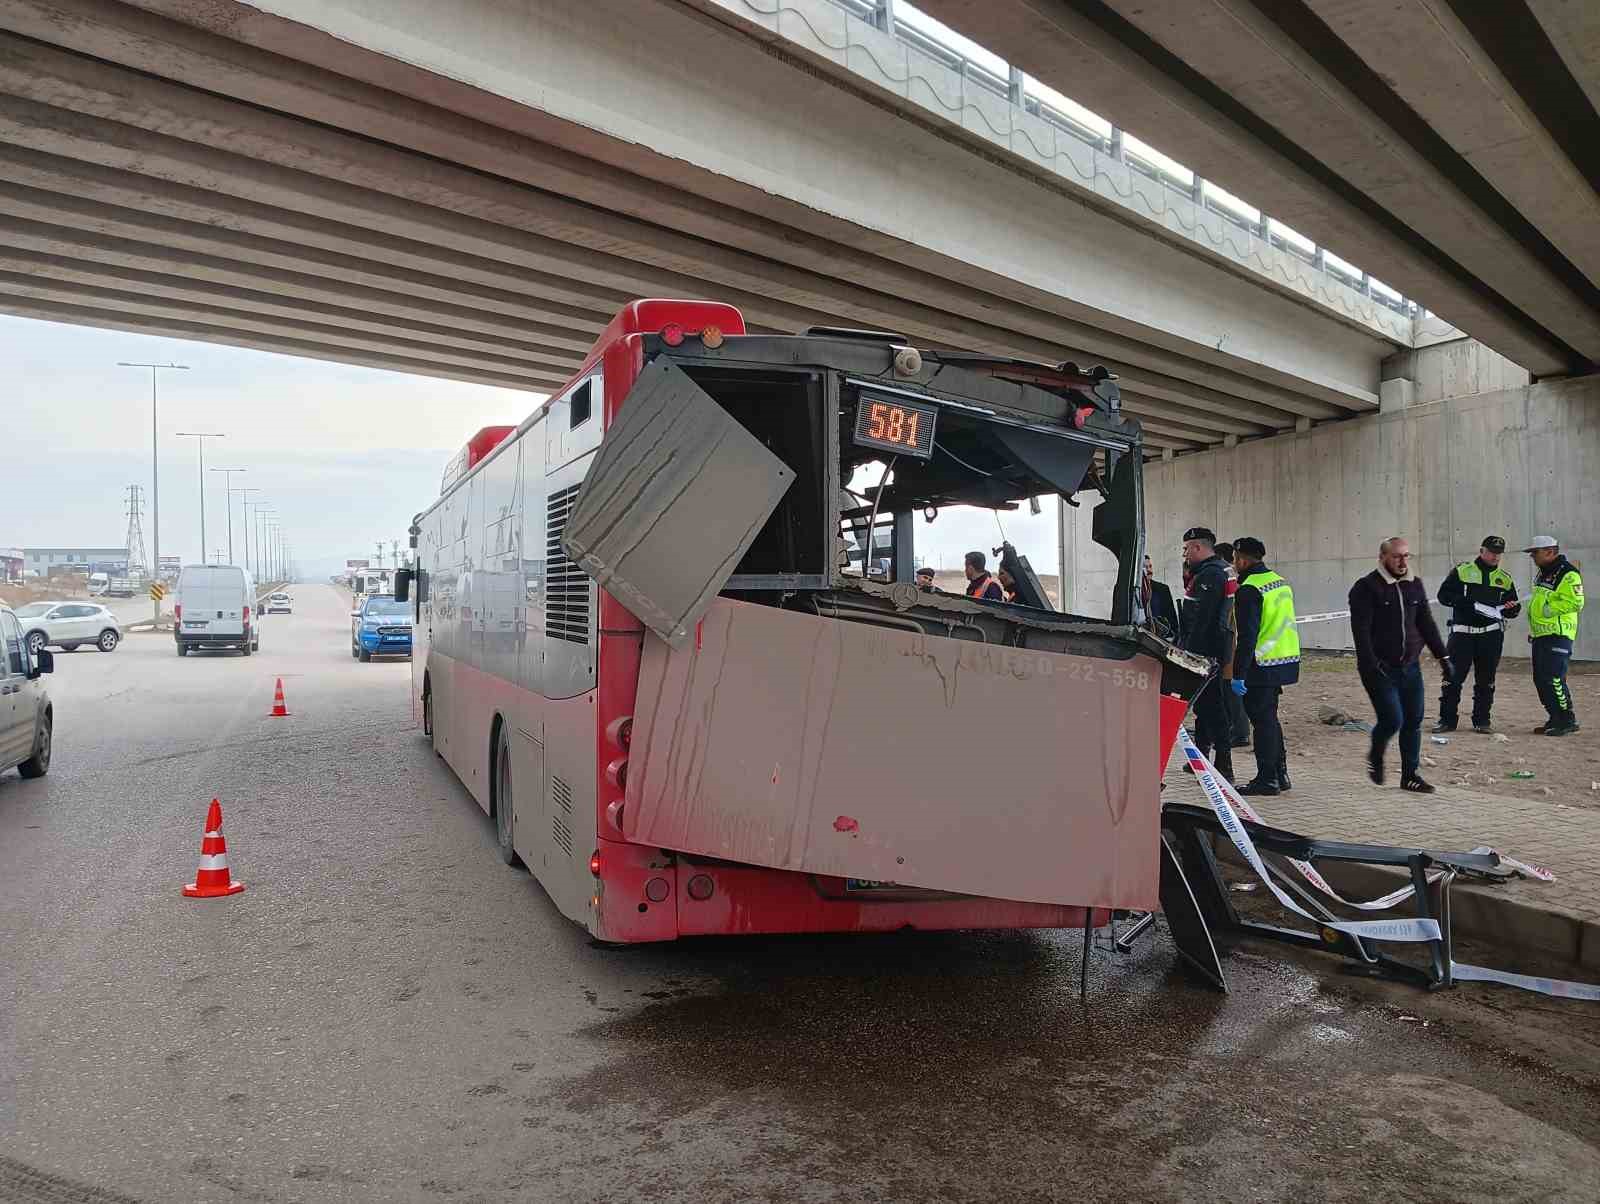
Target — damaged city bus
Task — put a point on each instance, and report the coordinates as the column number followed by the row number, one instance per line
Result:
column 671, row 642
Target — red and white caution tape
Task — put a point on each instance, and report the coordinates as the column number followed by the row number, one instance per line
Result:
column 1327, row 616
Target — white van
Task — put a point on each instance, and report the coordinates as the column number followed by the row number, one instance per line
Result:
column 214, row 608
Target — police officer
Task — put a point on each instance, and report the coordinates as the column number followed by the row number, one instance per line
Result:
column 1552, row 626
column 1266, row 660
column 1476, row 638
column 1203, row 629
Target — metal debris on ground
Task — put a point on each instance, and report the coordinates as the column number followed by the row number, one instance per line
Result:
column 1440, row 739
column 1242, row 887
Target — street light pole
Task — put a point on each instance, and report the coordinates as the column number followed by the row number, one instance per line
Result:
column 245, row 504
column 201, row 437
column 155, row 469
column 227, row 489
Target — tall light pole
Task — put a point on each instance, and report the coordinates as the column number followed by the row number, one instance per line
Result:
column 200, row 437
column 245, row 505
column 227, row 500
column 262, row 513
column 155, row 467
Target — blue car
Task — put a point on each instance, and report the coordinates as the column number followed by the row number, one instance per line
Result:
column 380, row 627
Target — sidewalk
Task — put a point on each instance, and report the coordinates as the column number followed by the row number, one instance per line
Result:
column 1336, row 801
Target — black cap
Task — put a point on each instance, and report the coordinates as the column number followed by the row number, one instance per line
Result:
column 924, row 571
column 1250, row 546
column 1204, row 533
column 1493, row 543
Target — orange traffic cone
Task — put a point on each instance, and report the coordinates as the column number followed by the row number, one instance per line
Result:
column 279, row 710
column 212, row 878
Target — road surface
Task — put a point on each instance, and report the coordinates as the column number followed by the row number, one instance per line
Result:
column 390, row 1013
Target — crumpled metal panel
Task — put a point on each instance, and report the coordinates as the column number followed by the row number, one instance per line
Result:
column 805, row 743
column 677, row 494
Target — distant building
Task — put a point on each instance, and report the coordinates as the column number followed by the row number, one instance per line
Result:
column 51, row 562
column 11, row 564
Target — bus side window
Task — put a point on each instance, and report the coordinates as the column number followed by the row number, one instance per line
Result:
column 581, row 405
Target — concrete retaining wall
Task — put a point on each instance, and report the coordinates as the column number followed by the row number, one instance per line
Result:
column 1515, row 462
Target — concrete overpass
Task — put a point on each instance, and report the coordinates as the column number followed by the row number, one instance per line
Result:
column 1454, row 145
column 469, row 190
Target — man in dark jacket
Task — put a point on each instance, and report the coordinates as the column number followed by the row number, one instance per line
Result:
column 1156, row 598
column 1266, row 658
column 1390, row 621
column 1204, row 630
column 1481, row 597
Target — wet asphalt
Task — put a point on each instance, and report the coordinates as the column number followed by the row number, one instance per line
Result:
column 389, row 1013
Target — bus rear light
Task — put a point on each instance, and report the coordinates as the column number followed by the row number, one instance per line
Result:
column 620, row 731
column 711, row 336
column 177, row 610
column 617, row 773
column 672, row 334
column 701, row 887
column 657, row 890
column 594, row 863
column 247, row 614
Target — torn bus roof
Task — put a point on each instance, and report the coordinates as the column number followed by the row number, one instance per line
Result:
column 803, row 743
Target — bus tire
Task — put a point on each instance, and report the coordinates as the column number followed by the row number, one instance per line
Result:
column 504, row 807
column 364, row 657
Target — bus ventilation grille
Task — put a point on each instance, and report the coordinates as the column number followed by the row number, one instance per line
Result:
column 561, row 828
column 566, row 604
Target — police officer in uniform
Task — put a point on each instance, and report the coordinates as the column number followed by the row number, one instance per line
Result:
column 1266, row 660
column 1476, row 639
column 1552, row 627
column 1203, row 629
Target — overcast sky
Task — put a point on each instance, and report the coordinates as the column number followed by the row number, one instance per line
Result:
column 346, row 454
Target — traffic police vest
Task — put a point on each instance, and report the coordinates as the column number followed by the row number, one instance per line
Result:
column 1471, row 573
column 1278, row 639
column 1557, row 599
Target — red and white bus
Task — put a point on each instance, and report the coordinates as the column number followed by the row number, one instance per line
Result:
column 717, row 473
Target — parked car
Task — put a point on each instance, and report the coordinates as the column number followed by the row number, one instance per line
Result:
column 380, row 626
column 212, row 609
column 26, row 717
column 68, row 625
column 279, row 603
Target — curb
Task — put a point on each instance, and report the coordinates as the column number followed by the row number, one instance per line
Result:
column 1475, row 911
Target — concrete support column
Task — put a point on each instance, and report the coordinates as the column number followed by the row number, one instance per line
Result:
column 1017, row 86
column 1117, row 152
column 883, row 18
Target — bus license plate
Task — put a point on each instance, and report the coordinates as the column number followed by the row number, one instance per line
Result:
column 869, row 884
column 194, row 622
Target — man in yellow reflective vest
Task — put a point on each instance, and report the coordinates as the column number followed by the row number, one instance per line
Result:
column 1552, row 627
column 1266, row 658
column 1481, row 597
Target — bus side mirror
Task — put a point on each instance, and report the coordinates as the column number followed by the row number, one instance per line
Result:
column 402, row 585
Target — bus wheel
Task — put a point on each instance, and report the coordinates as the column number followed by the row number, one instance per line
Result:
column 504, row 811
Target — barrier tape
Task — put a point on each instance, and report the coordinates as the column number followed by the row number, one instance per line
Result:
column 1218, row 791
column 1411, row 929
column 1325, row 617
column 1558, row 987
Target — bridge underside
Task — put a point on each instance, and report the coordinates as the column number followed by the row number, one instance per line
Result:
column 1451, row 147
column 222, row 173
